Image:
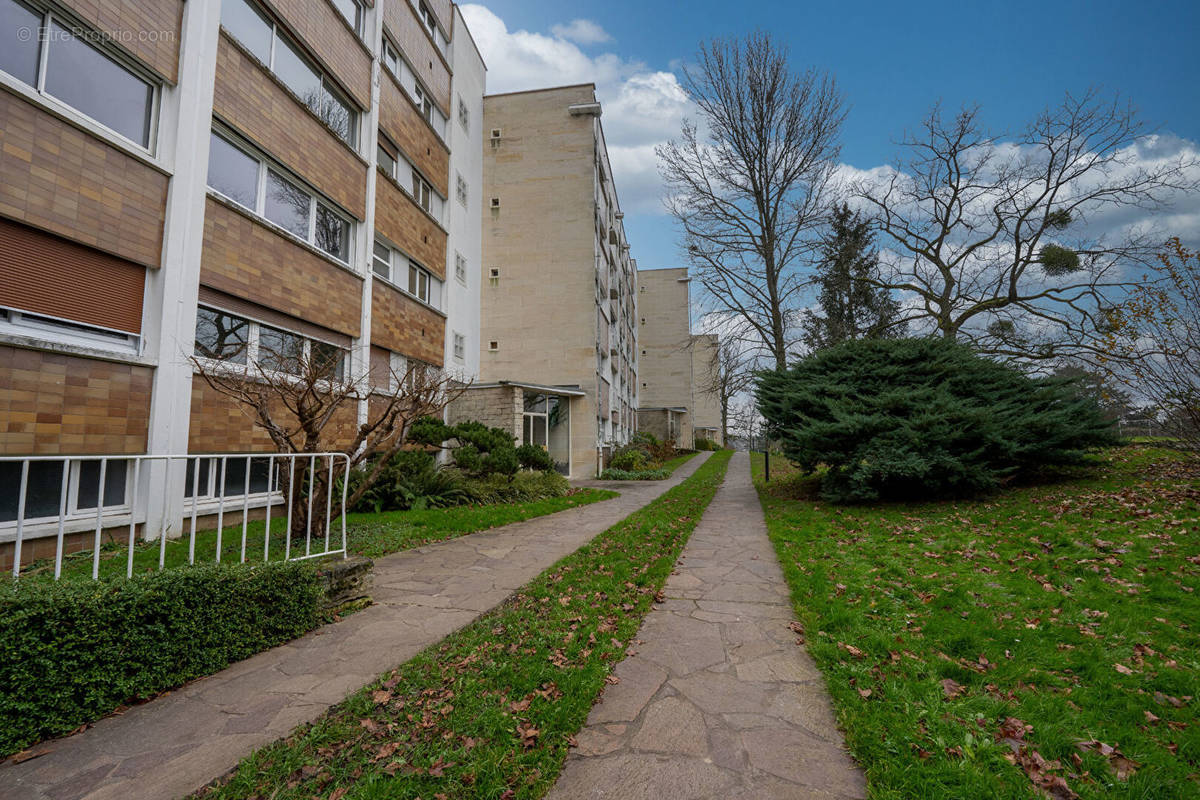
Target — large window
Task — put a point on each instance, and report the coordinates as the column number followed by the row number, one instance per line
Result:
column 398, row 269
column 280, row 54
column 222, row 336
column 44, row 488
column 248, row 180
column 60, row 60
column 545, row 422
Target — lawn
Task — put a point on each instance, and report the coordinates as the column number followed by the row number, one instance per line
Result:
column 371, row 535
column 490, row 711
column 1041, row 642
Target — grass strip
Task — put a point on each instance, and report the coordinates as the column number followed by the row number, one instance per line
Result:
column 490, row 711
column 371, row 535
column 1041, row 642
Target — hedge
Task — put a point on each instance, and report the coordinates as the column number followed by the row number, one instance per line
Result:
column 73, row 651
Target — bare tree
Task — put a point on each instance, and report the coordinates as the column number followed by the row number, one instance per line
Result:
column 1155, row 342
column 300, row 397
column 748, row 184
column 729, row 373
column 993, row 240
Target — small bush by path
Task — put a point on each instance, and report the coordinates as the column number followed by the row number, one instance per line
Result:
column 71, row 652
column 1040, row 643
column 490, row 711
column 656, row 474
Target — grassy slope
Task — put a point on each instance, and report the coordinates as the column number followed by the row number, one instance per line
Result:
column 1069, row 607
column 371, row 535
column 489, row 711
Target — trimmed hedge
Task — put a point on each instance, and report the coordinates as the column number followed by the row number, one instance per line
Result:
column 611, row 474
column 73, row 651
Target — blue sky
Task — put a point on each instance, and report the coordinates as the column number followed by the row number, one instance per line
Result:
column 892, row 60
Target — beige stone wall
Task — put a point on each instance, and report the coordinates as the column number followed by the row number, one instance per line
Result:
column 496, row 407
column 665, row 344
column 541, row 311
column 706, row 403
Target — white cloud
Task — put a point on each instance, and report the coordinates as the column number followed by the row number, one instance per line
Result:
column 581, row 31
column 642, row 107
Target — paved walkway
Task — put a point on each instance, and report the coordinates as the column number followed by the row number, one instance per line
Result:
column 719, row 700
column 179, row 742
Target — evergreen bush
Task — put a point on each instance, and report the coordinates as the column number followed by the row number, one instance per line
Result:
column 923, row 418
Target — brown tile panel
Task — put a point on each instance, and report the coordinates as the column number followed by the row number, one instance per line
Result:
column 249, row 98
column 149, row 29
column 398, row 118
column 402, row 325
column 325, row 32
column 245, row 258
column 60, row 179
column 221, row 425
column 400, row 219
column 51, row 403
column 405, row 28
column 50, row 275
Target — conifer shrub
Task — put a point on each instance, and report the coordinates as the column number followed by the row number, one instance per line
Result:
column 911, row 419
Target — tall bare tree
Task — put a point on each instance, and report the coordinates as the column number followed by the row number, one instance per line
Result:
column 747, row 183
column 992, row 238
column 300, row 397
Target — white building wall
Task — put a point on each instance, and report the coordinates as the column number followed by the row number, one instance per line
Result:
column 464, row 222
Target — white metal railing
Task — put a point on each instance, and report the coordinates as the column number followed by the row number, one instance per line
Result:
column 158, row 491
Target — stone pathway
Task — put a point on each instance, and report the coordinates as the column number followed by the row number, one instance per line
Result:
column 719, row 701
column 179, row 742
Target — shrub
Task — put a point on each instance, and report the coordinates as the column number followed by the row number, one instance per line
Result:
column 411, row 479
column 71, row 652
column 523, row 487
column 630, row 458
column 918, row 418
column 501, row 461
column 706, row 444
column 468, row 459
column 611, row 474
column 536, row 458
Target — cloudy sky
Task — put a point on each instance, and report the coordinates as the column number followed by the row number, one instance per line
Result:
column 892, row 60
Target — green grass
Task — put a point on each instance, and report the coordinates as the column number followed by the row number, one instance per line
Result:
column 1068, row 607
column 489, row 712
column 371, row 535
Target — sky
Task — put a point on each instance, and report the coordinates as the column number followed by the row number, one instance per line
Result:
column 892, row 60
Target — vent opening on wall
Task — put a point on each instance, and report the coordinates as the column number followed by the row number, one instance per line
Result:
column 493, row 346
column 494, row 276
column 495, row 133
column 495, row 202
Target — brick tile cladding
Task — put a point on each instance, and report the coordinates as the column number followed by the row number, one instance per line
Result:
column 247, row 259
column 402, row 325
column 247, row 97
column 128, row 20
column 62, row 180
column 398, row 118
column 324, row 31
column 400, row 19
column 221, row 425
column 52, row 403
column 399, row 219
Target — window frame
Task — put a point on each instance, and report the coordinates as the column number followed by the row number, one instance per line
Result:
column 74, row 481
column 460, row 268
column 359, row 24
column 461, row 189
column 47, row 16
column 459, row 347
column 401, row 262
column 253, row 340
column 266, row 166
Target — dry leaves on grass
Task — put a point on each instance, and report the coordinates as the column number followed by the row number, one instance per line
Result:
column 1121, row 765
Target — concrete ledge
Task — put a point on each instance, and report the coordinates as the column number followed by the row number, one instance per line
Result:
column 345, row 581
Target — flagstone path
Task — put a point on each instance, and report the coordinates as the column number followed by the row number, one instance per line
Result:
column 181, row 741
column 718, row 701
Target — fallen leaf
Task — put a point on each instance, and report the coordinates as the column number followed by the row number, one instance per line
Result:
column 952, row 688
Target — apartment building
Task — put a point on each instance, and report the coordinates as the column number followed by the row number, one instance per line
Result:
column 225, row 179
column 558, row 306
column 677, row 401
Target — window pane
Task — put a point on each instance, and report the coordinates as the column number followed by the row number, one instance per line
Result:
column 287, row 206
column 387, row 163
column 296, row 74
column 41, row 491
column 535, row 403
column 423, row 291
column 86, row 79
column 329, row 359
column 18, row 52
column 232, row 173
column 115, row 473
column 391, row 59
column 335, row 113
column 382, row 263
column 280, row 350
column 413, row 272
column 351, row 11
column 247, row 26
column 333, row 234
column 193, row 465
column 221, row 336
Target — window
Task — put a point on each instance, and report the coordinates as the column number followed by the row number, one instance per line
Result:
column 407, row 78
column 460, row 189
column 70, row 68
column 493, row 346
column 352, row 10
column 401, row 170
column 391, row 58
column 405, row 274
column 44, row 487
column 460, row 268
column 460, row 347
column 222, row 336
column 202, row 478
column 263, row 39
column 23, row 323
column 248, row 181
column 464, row 114
column 387, row 161
column 422, row 192
column 424, row 104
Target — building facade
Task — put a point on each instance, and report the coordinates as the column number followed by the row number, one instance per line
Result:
column 558, row 305
column 677, row 397
column 221, row 179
